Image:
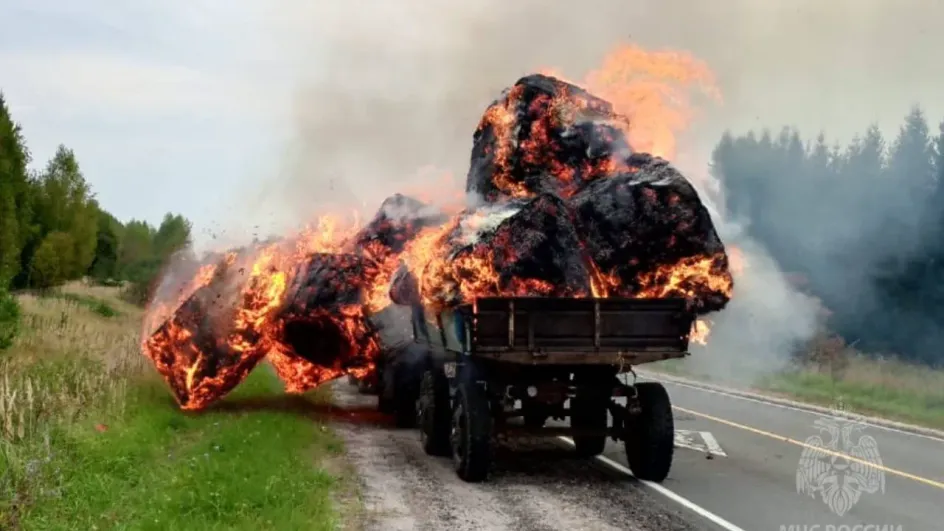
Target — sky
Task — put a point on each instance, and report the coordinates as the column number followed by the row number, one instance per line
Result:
column 251, row 115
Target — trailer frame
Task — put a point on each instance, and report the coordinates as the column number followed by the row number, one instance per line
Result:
column 500, row 359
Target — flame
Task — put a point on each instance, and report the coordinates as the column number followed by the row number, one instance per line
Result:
column 651, row 90
column 701, row 328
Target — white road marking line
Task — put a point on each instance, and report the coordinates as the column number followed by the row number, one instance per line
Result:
column 712, row 444
column 686, row 439
column 785, row 406
column 684, row 502
column 700, row 441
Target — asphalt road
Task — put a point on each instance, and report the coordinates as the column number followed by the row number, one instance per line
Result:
column 735, row 469
column 750, row 482
column 534, row 485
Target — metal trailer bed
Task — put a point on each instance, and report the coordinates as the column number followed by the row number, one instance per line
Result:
column 499, row 359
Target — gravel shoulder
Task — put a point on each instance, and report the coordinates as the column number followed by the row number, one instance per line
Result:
column 535, row 484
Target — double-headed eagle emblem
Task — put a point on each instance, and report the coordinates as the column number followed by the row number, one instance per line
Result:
column 840, row 469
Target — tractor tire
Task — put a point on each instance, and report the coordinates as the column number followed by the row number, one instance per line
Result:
column 434, row 413
column 471, row 433
column 650, row 437
column 404, row 398
column 588, row 414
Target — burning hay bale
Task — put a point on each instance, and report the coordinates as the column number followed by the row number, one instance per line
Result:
column 399, row 219
column 650, row 235
column 209, row 346
column 544, row 135
column 526, row 247
column 323, row 320
column 568, row 210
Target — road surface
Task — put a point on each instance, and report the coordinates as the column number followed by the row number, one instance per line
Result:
column 753, row 485
column 735, row 469
column 536, row 485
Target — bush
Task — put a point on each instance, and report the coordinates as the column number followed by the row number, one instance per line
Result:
column 9, row 319
column 137, row 293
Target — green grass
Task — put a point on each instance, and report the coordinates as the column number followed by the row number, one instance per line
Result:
column 90, row 438
column 915, row 404
column 885, row 388
column 96, row 305
column 165, row 469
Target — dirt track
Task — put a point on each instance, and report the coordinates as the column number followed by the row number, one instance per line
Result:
column 535, row 485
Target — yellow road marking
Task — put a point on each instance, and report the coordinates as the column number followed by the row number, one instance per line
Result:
column 804, row 444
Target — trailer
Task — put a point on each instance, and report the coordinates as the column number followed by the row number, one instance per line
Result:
column 534, row 359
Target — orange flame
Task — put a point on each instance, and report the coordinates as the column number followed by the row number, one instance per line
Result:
column 651, row 89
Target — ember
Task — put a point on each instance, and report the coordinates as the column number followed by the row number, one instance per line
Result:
column 565, row 208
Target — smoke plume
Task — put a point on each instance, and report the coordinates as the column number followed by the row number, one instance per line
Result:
column 390, row 92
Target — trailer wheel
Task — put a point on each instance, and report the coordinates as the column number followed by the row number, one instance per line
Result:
column 397, row 395
column 433, row 413
column 588, row 414
column 471, row 433
column 650, row 441
column 405, row 397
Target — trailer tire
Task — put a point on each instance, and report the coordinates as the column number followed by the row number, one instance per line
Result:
column 588, row 414
column 471, row 433
column 404, row 398
column 650, row 441
column 433, row 413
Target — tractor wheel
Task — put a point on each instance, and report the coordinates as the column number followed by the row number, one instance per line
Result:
column 588, row 414
column 433, row 413
column 650, row 437
column 471, row 433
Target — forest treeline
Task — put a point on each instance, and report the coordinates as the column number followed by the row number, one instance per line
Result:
column 53, row 230
column 860, row 226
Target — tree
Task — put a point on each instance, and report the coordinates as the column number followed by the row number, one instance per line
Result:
column 855, row 221
column 105, row 263
column 52, row 261
column 9, row 319
column 14, row 204
column 910, row 175
column 136, row 252
column 9, row 236
column 67, row 206
column 172, row 235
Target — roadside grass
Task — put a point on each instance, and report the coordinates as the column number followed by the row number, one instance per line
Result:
column 890, row 389
column 91, row 439
column 886, row 388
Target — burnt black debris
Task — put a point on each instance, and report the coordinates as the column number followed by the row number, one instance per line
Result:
column 544, row 135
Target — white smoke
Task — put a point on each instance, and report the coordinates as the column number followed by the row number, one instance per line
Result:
column 390, row 87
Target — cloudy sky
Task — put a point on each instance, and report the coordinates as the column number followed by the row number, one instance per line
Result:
column 260, row 112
